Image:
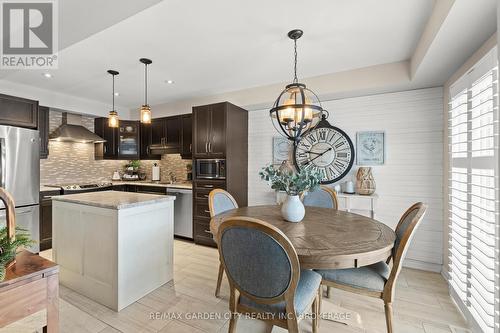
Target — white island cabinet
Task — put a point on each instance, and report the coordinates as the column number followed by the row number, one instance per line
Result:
column 113, row 247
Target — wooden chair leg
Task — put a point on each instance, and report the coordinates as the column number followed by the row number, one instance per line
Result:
column 320, row 300
column 293, row 325
column 328, row 291
column 219, row 280
column 315, row 310
column 388, row 316
column 232, row 323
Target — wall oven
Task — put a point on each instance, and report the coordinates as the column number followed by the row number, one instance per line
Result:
column 210, row 168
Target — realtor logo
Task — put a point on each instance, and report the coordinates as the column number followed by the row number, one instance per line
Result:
column 29, row 34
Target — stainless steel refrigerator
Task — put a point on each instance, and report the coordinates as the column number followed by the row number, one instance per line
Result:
column 20, row 175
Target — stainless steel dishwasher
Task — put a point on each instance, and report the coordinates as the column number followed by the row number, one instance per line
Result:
column 183, row 212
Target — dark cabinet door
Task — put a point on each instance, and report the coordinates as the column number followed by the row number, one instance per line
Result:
column 217, row 135
column 201, row 128
column 45, row 224
column 43, row 129
column 145, row 142
column 16, row 111
column 157, row 131
column 108, row 149
column 128, row 139
column 187, row 136
column 173, row 131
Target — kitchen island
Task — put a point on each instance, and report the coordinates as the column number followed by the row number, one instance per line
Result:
column 113, row 247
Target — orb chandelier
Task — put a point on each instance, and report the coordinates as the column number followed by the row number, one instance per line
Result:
column 113, row 115
column 145, row 108
column 297, row 108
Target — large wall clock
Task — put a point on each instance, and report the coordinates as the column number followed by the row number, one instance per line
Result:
column 327, row 149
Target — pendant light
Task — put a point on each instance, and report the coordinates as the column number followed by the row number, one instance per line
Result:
column 145, row 109
column 297, row 108
column 113, row 115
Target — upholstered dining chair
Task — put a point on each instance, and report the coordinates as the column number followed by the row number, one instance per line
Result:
column 220, row 201
column 323, row 197
column 264, row 274
column 379, row 280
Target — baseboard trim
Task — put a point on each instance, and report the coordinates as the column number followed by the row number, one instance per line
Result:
column 464, row 311
column 425, row 266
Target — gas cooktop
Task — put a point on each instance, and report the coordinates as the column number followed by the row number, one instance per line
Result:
column 82, row 187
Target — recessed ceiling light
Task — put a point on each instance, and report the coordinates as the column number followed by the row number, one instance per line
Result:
column 170, row 81
column 47, row 75
column 117, row 94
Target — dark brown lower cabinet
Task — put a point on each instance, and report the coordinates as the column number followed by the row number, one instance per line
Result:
column 45, row 219
column 201, row 212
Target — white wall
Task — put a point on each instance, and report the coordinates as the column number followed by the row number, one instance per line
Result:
column 413, row 122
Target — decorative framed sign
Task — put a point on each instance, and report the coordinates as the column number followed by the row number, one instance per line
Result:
column 370, row 148
column 281, row 149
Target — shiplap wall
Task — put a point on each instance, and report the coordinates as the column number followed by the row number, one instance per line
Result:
column 413, row 123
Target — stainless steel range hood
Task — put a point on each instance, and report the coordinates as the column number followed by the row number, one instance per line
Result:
column 161, row 149
column 71, row 130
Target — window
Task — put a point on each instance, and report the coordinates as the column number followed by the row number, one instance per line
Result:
column 474, row 192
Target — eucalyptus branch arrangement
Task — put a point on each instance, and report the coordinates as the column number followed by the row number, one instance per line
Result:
column 8, row 247
column 285, row 178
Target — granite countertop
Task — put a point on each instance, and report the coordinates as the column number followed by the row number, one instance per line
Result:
column 185, row 186
column 114, row 199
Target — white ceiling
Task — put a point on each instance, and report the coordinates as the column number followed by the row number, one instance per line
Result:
column 211, row 47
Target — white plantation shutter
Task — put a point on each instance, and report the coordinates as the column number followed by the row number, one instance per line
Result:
column 474, row 192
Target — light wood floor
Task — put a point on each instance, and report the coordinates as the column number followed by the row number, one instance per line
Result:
column 422, row 305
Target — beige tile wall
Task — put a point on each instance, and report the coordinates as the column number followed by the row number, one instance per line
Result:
column 74, row 162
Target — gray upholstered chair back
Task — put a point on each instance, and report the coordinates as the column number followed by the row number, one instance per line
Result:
column 407, row 226
column 220, row 201
column 405, row 231
column 323, row 197
column 257, row 259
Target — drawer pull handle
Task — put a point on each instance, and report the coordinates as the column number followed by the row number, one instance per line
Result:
column 206, row 195
column 208, row 231
column 208, row 186
column 207, row 211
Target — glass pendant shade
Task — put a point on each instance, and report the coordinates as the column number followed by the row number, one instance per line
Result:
column 113, row 120
column 145, row 109
column 145, row 114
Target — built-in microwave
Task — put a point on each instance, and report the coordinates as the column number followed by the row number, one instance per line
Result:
column 210, row 169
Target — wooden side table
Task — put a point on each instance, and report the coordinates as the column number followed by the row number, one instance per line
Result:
column 30, row 285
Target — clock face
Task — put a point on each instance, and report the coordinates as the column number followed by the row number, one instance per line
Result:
column 327, row 149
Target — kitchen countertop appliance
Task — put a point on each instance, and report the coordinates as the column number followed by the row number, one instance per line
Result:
column 20, row 176
column 74, row 188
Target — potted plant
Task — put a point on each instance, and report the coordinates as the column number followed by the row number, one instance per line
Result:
column 9, row 247
column 294, row 183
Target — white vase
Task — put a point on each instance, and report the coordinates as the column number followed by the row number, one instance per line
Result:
column 292, row 209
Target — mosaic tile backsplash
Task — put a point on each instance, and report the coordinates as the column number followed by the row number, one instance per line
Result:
column 74, row 162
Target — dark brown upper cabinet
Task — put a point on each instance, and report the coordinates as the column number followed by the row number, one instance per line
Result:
column 209, row 126
column 187, row 136
column 145, row 141
column 166, row 132
column 133, row 140
column 128, row 140
column 109, row 149
column 17, row 111
column 43, row 129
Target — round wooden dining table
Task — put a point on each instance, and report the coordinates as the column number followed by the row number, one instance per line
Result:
column 325, row 238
